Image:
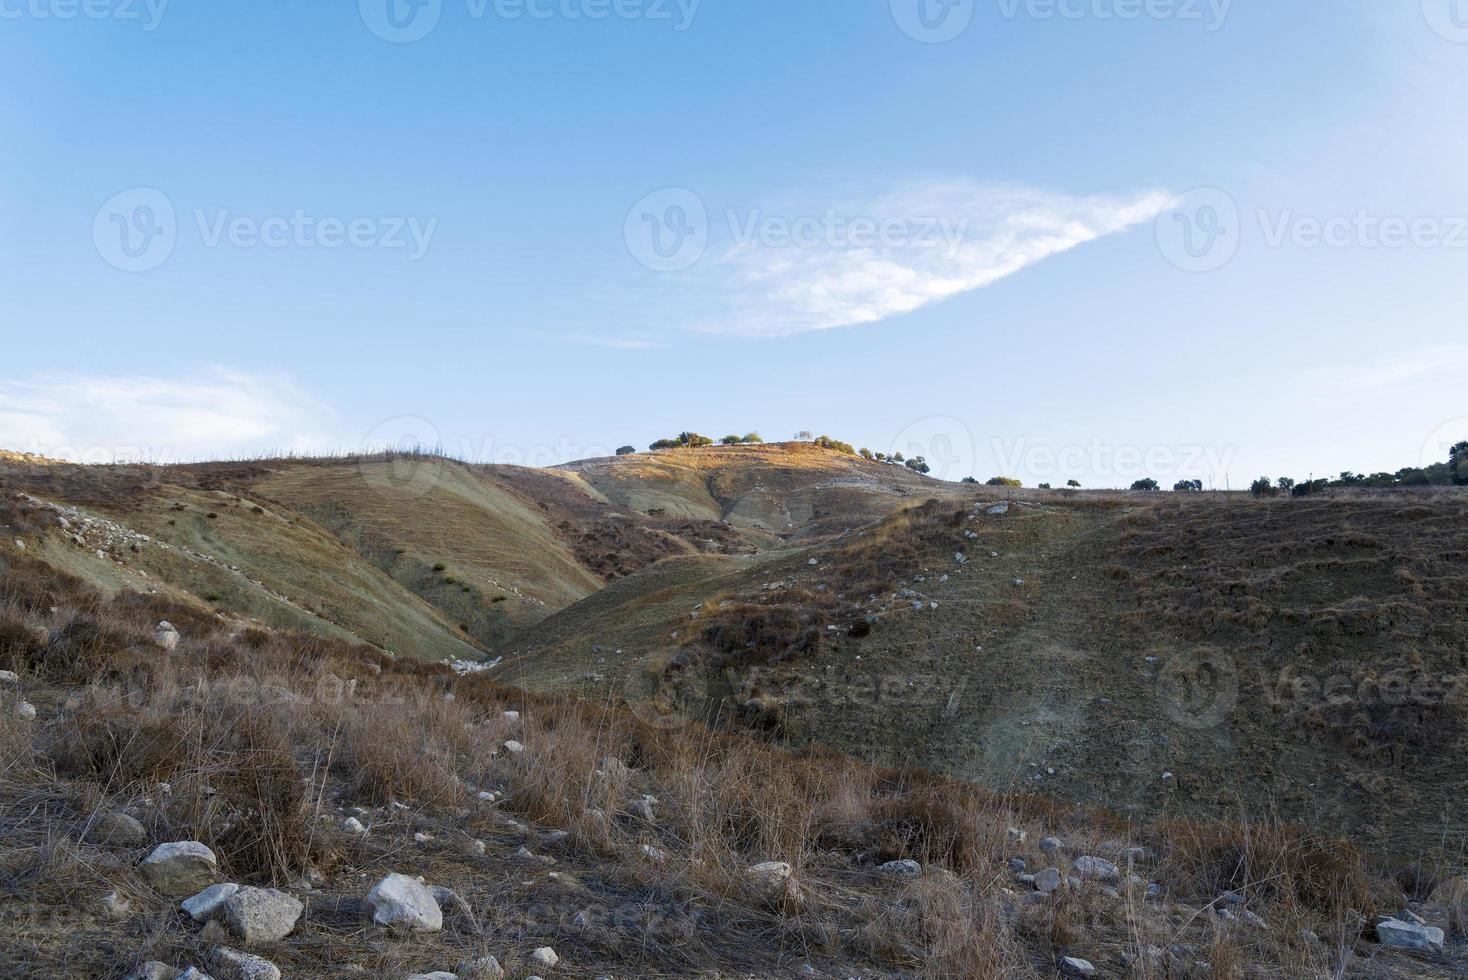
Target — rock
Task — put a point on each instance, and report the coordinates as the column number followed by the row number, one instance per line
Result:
column 114, row 906
column 1409, row 935
column 193, row 973
column 513, row 747
column 165, row 637
column 262, row 915
column 483, row 968
column 1051, row 845
column 205, row 904
column 1014, row 835
column 450, row 902
column 153, row 970
column 545, row 956
column 1076, row 967
column 400, row 902
column 118, row 830
column 231, row 964
column 654, row 854
column 511, row 716
column 353, row 826
column 1097, row 869
column 9, row 677
column 439, row 975
column 1048, row 880
column 25, row 711
column 1002, row 508
column 906, row 868
column 775, row 883
column 179, row 868
column 642, row 810
column 1018, row 864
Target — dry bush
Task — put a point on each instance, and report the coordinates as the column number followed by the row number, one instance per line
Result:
column 21, row 645
column 1453, row 896
column 1270, row 861
column 937, row 927
column 400, row 753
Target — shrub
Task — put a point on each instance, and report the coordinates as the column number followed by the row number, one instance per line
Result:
column 729, row 441
column 1073, row 484
column 1147, row 485
column 971, row 479
column 919, row 465
column 1003, row 481
column 1458, row 464
column 752, row 438
column 1188, row 486
column 626, row 451
column 1263, row 487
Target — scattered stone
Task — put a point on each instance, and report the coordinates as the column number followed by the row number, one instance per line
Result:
column 206, row 903
column 1409, row 935
column 118, row 830
column 642, row 810
column 165, row 636
column 906, row 868
column 776, row 884
column 193, row 973
column 510, row 716
column 545, row 956
column 654, row 854
column 25, row 711
column 1098, row 869
column 153, row 970
column 439, row 975
column 114, row 906
column 1051, row 845
column 354, row 826
column 179, row 868
column 1048, row 880
column 450, row 901
column 9, row 677
column 483, row 968
column 1017, row 864
column 513, row 747
column 1154, row 892
column 262, row 915
column 231, row 964
column 1077, row 967
column 400, row 902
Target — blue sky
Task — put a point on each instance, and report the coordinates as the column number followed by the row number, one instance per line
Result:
column 977, row 247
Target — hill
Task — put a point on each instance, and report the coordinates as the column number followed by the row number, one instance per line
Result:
column 1265, row 696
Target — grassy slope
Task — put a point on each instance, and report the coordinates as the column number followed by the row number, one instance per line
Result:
column 1035, row 662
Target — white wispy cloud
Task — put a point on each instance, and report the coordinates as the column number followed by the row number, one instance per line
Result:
column 214, row 413
column 952, row 237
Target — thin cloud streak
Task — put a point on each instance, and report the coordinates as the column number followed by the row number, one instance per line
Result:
column 1002, row 229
